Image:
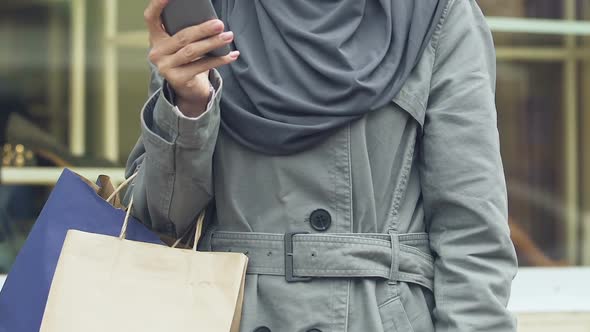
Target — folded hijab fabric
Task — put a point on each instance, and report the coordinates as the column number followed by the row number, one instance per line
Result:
column 309, row 67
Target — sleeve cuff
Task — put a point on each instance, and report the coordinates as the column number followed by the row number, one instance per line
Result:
column 169, row 95
column 214, row 85
column 164, row 124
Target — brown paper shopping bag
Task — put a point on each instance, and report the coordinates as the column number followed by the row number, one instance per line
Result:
column 110, row 284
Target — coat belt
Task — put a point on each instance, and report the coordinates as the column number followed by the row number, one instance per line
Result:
column 300, row 256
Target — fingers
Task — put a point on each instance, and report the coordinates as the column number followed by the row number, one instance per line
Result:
column 185, row 75
column 181, row 59
column 196, row 50
column 153, row 20
column 187, row 36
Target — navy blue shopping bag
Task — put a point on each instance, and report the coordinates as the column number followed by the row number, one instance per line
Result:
column 73, row 204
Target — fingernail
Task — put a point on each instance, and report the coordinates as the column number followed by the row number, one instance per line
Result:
column 234, row 54
column 226, row 36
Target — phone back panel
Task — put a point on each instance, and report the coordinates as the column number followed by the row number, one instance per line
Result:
column 181, row 14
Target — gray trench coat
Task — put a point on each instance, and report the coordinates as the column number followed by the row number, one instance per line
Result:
column 406, row 208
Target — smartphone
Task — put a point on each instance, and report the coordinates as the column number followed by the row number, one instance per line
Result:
column 181, row 14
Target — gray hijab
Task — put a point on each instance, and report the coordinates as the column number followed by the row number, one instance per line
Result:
column 309, row 67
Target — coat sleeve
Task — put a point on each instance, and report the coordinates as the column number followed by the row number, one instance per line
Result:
column 462, row 177
column 173, row 158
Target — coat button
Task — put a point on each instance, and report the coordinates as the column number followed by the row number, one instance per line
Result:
column 262, row 329
column 320, row 220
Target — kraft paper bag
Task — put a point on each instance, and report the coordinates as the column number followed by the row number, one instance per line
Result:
column 111, row 284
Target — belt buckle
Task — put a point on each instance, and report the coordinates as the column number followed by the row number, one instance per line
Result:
column 289, row 258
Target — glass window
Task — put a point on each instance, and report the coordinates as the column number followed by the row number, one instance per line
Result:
column 74, row 76
column 541, row 117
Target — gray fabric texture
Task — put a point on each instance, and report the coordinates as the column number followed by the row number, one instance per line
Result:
column 426, row 167
column 308, row 68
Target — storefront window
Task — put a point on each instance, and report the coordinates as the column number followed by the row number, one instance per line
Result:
column 540, row 117
column 74, row 76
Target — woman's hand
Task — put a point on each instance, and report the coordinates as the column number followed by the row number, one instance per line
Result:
column 181, row 59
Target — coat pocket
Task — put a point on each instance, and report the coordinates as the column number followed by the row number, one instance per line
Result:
column 394, row 317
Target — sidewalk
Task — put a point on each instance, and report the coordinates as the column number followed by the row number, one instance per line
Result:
column 552, row 299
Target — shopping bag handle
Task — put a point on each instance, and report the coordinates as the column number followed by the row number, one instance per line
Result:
column 122, row 236
column 121, row 187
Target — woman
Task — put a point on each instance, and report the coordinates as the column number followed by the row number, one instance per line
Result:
column 370, row 125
